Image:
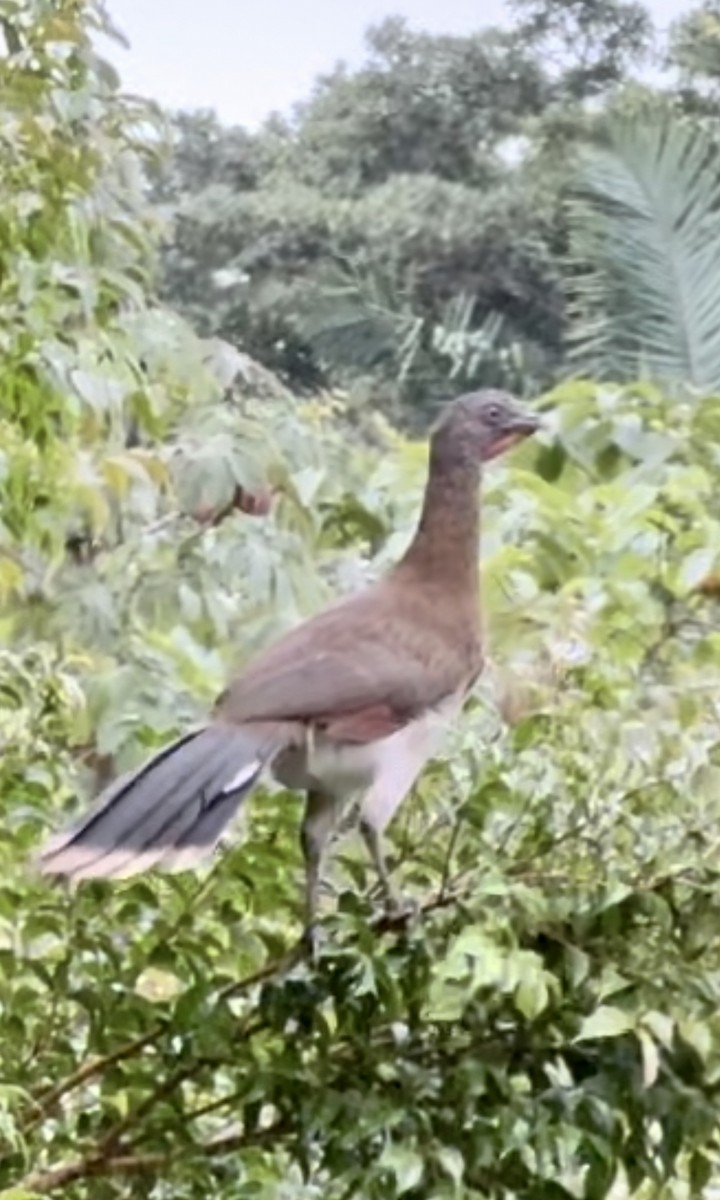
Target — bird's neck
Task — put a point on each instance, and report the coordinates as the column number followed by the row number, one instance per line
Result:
column 446, row 546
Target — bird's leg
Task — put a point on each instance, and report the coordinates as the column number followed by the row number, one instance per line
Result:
column 319, row 821
column 373, row 839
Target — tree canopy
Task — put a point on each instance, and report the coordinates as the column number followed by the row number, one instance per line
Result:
column 411, row 226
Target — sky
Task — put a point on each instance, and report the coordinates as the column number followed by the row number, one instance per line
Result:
column 246, row 60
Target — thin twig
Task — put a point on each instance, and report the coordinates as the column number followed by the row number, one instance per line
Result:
column 445, row 878
column 106, row 1159
column 112, row 1139
column 277, row 967
column 46, row 1100
column 94, row 1165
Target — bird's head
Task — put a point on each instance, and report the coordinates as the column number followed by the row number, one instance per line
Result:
column 486, row 423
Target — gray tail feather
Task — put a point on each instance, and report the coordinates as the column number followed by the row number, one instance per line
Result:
column 169, row 813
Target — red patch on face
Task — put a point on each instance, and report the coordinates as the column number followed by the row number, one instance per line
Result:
column 502, row 443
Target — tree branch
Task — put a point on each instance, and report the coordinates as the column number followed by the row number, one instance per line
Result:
column 46, row 1099
column 112, row 1139
column 49, row 1097
column 95, row 1165
column 106, row 1158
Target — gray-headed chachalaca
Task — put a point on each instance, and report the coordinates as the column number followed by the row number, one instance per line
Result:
column 349, row 704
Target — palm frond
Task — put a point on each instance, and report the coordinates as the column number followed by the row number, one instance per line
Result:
column 357, row 318
column 645, row 252
column 466, row 348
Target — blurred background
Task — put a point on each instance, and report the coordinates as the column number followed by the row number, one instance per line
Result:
column 403, row 204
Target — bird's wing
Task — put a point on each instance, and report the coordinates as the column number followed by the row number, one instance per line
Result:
column 362, row 669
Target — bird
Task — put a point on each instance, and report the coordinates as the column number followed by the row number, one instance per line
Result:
column 347, row 707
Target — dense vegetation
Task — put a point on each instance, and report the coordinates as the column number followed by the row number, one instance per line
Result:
column 549, row 1026
column 513, row 206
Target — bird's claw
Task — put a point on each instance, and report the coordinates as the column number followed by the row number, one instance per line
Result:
column 401, row 909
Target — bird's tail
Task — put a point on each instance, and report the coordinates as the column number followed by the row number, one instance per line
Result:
column 171, row 812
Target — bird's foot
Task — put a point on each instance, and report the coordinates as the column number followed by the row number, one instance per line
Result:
column 400, row 909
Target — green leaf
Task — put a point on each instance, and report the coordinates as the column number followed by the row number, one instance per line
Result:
column 702, row 1170
column 698, row 1035
column 650, row 1057
column 578, row 965
column 696, row 567
column 642, row 223
column 531, row 996
column 661, row 1026
column 605, row 1022
column 452, row 1163
column 405, row 1164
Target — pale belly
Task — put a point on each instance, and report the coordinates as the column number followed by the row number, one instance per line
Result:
column 331, row 767
column 384, row 770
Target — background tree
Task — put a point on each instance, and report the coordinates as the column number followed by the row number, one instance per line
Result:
column 408, row 230
column 694, row 51
column 593, row 45
column 401, row 167
column 646, row 236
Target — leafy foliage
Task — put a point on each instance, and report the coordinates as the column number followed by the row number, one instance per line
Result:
column 695, row 51
column 396, row 178
column 551, row 1020
column 548, row 1026
column 420, row 222
column 645, row 234
column 421, row 105
column 592, row 44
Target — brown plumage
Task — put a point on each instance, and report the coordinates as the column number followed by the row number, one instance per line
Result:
column 352, row 702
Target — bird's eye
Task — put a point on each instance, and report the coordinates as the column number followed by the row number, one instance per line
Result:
column 493, row 413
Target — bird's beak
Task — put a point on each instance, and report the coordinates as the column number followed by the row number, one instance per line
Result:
column 518, row 427
column 523, row 425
